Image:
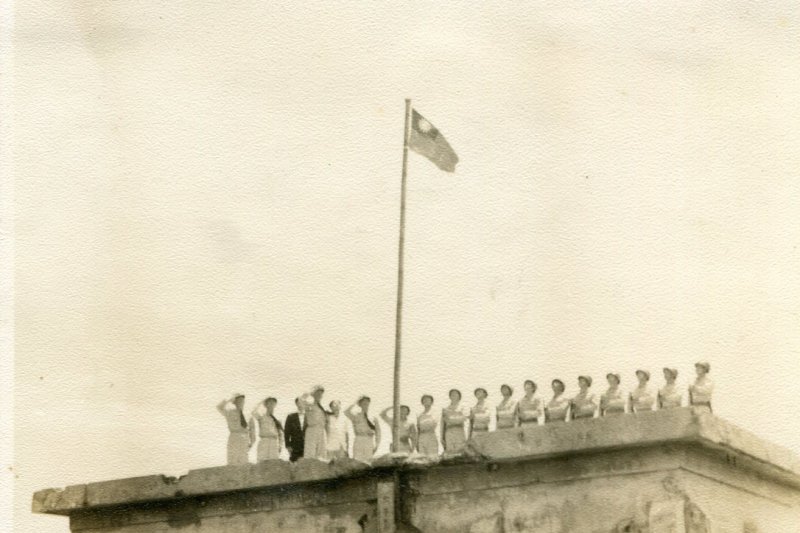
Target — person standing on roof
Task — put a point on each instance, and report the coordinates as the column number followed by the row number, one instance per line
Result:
column 701, row 390
column 240, row 438
column 270, row 431
column 315, row 444
column 366, row 428
column 338, row 432
column 294, row 430
column 669, row 396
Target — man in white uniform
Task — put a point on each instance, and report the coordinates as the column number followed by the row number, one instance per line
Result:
column 316, row 422
column 366, row 429
column 338, row 432
column 270, row 431
column 240, row 438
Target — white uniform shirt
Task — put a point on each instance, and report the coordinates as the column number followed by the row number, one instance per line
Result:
column 234, row 418
column 338, row 432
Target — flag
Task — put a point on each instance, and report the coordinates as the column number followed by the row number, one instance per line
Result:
column 428, row 141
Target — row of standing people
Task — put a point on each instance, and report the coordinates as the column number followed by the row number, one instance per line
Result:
column 311, row 431
column 314, row 431
column 456, row 423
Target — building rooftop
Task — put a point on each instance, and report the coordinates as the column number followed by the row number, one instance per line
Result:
column 682, row 425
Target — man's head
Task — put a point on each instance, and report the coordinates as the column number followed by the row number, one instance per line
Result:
column 238, row 400
column 317, row 393
column 336, row 406
column 270, row 404
column 363, row 403
column 300, row 404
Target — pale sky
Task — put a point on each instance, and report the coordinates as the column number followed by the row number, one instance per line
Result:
column 207, row 200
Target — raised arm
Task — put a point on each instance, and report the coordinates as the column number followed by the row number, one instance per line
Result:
column 349, row 412
column 385, row 416
column 307, row 398
column 221, row 406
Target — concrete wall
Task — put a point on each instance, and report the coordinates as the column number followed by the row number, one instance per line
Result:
column 667, row 489
column 668, row 472
column 340, row 507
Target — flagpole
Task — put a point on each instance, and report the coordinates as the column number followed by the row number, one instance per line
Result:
column 399, row 311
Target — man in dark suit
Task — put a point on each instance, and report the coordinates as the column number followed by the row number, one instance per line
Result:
column 294, row 431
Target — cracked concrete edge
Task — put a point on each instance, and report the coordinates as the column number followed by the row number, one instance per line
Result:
column 581, row 436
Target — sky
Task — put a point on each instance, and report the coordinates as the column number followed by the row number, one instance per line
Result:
column 206, row 200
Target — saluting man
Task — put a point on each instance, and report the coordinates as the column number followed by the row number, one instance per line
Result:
column 270, row 431
column 366, row 428
column 316, row 423
column 240, row 438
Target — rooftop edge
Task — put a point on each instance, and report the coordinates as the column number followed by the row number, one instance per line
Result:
column 580, row 436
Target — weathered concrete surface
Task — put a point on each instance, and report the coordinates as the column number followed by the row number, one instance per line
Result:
column 196, row 482
column 585, row 505
column 660, row 472
column 636, row 489
column 342, row 505
column 60, row 501
column 656, row 427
